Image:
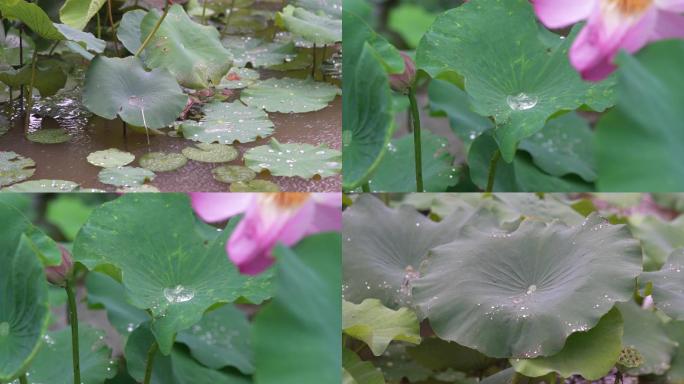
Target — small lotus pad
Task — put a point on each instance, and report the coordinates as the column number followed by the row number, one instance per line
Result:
column 125, row 176
column 303, row 160
column 211, row 153
column 49, row 136
column 232, row 174
column 163, row 162
column 255, row 186
column 110, row 158
column 289, row 95
column 43, row 186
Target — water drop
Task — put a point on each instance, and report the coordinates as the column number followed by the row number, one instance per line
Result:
column 531, row 289
column 179, row 294
column 522, row 102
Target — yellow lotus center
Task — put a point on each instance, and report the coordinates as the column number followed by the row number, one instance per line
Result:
column 287, row 200
column 631, row 7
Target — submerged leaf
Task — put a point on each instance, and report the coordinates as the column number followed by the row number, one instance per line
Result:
column 303, row 160
column 49, row 136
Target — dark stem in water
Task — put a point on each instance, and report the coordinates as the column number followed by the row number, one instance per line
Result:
column 415, row 115
column 73, row 320
column 21, row 62
column 313, row 68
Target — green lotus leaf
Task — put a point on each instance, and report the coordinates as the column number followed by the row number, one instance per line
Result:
column 31, row 15
column 254, row 186
column 316, row 28
column 129, row 30
column 125, row 176
column 510, row 73
column 645, row 332
column 658, row 238
column 360, row 33
column 24, row 308
column 95, row 358
column 233, row 174
column 438, row 170
column 503, row 377
column 163, row 162
column 221, row 339
column 190, row 51
column 591, row 354
column 165, row 268
column 43, row 186
column 68, row 213
column 227, row 123
column 15, row 168
column 49, row 136
column 302, row 160
column 377, row 325
column 668, row 285
column 385, row 248
column 357, row 371
column 9, row 47
column 42, row 245
column 177, row 368
column 296, row 337
column 77, row 13
column 238, row 78
column 211, row 153
column 511, row 282
column 675, row 331
column 410, row 21
column 438, row 354
column 107, row 293
column 110, row 158
column 86, row 39
column 123, row 87
column 49, row 78
column 397, row 365
column 289, row 95
column 332, row 8
column 257, row 52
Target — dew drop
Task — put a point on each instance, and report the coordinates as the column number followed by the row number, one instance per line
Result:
column 522, row 102
column 531, row 289
column 179, row 294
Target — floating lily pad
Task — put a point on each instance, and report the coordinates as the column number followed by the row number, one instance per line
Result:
column 110, row 158
column 43, row 186
column 668, row 285
column 49, row 136
column 211, row 153
column 289, row 95
column 512, row 281
column 303, row 160
column 316, row 28
column 123, row 87
column 238, row 78
column 227, row 123
column 190, row 51
column 145, row 188
column 251, row 50
column 233, row 174
column 163, row 162
column 254, row 186
column 15, row 168
column 125, row 176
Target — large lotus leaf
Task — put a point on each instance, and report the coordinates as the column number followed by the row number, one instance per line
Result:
column 645, row 332
column 290, row 159
column 289, row 95
column 377, row 325
column 357, row 371
column 530, row 289
column 226, row 123
column 221, row 339
column 49, row 78
column 190, row 51
column 668, row 285
column 257, row 52
column 107, row 293
column 296, row 337
column 166, row 267
column 77, row 13
column 653, row 129
column 177, row 368
column 42, row 245
column 396, row 365
column 411, row 21
column 658, row 238
column 360, row 33
column 129, row 30
column 438, row 170
column 24, row 307
column 14, row 168
column 438, row 354
column 675, row 330
column 385, row 248
column 31, row 15
column 316, row 28
column 591, row 354
column 503, row 377
column 331, row 8
column 86, row 39
column 50, row 366
column 123, row 87
column 510, row 72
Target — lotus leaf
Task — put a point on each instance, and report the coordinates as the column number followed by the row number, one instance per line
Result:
column 49, row 136
column 238, row 78
column 355, row 370
column 397, row 365
column 233, row 173
column 511, row 282
column 227, row 123
column 86, row 39
column 316, row 28
column 163, row 162
column 123, row 87
column 658, row 238
column 104, row 291
column 43, row 186
column 190, row 51
column 257, row 52
column 110, row 158
column 289, row 95
column 254, row 186
column 49, row 79
column 173, row 272
column 144, row 188
column 31, row 15
column 302, row 160
column 77, row 13
column 9, row 47
column 438, row 355
column 675, row 330
column 331, row 8
column 668, row 285
column 129, row 30
column 211, row 153
column 15, row 168
column 125, row 176
column 377, row 325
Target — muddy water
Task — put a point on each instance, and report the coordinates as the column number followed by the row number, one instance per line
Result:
column 67, row 161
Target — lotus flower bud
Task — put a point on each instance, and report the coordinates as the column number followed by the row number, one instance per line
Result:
column 402, row 82
column 59, row 274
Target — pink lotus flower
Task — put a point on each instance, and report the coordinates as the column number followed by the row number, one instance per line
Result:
column 270, row 218
column 612, row 26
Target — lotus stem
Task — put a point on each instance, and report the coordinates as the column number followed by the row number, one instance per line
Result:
column 415, row 115
column 29, row 92
column 150, row 361
column 99, row 26
column 23, row 379
column 21, row 63
column 313, row 68
column 204, row 12
column 73, row 320
column 230, row 14
column 365, row 187
column 492, row 171
column 552, row 378
column 111, row 22
column 154, row 30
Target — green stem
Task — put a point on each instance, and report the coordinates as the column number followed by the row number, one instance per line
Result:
column 415, row 114
column 492, row 171
column 150, row 360
column 73, row 320
column 99, row 26
column 204, row 12
column 224, row 31
column 29, row 92
column 365, row 187
column 154, row 30
column 23, row 379
column 551, row 378
column 111, row 22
